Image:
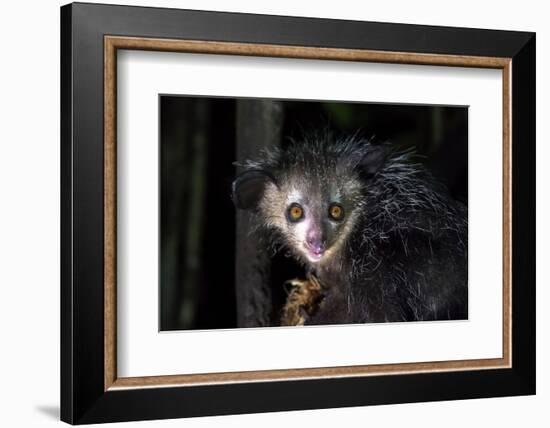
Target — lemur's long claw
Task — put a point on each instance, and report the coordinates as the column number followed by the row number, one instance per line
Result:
column 303, row 300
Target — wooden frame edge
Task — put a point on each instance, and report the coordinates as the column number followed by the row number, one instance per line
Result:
column 308, row 373
column 109, row 198
column 112, row 43
column 301, row 52
column 507, row 213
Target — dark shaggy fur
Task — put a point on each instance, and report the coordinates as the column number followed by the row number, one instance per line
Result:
column 404, row 257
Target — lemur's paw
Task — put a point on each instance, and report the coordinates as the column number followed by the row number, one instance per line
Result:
column 303, row 300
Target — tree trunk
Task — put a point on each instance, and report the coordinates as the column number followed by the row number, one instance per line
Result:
column 259, row 125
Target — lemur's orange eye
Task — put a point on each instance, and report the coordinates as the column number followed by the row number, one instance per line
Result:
column 295, row 212
column 336, row 212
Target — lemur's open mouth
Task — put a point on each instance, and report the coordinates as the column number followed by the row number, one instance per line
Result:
column 315, row 253
column 316, row 256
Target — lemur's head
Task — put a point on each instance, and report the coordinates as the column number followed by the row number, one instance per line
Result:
column 311, row 193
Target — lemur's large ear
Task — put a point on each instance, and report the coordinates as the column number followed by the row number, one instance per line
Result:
column 248, row 188
column 373, row 160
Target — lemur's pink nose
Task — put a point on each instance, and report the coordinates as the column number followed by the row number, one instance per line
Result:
column 314, row 241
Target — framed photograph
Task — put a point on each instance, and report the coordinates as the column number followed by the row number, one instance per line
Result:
column 266, row 213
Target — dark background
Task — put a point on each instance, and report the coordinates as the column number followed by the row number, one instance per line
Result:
column 203, row 239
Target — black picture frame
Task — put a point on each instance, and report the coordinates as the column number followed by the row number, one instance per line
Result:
column 83, row 396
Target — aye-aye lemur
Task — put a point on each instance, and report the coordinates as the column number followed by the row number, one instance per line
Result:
column 379, row 237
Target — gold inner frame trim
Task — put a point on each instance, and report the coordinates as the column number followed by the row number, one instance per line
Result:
column 113, row 43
